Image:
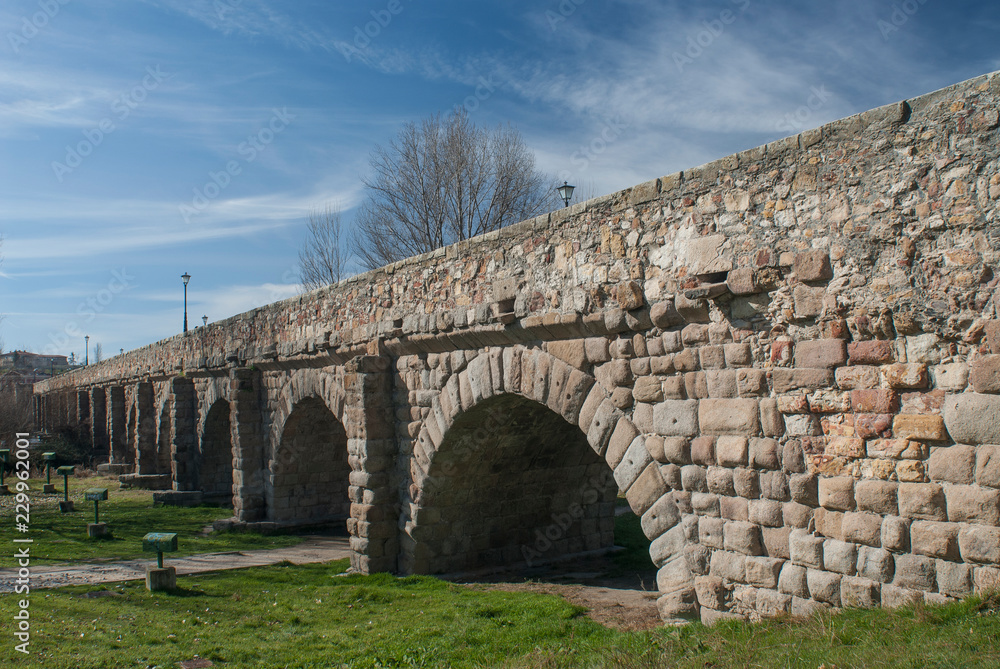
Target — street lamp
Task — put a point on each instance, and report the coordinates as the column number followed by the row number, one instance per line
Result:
column 185, row 277
column 565, row 192
column 204, row 320
column 86, row 356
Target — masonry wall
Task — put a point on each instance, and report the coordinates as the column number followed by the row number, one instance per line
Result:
column 802, row 337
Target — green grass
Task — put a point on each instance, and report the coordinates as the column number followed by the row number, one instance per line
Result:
column 129, row 514
column 635, row 558
column 309, row 616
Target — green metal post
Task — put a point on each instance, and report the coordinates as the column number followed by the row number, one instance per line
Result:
column 159, row 559
column 65, row 487
column 96, row 519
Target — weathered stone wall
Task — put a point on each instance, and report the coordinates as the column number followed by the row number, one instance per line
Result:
column 788, row 358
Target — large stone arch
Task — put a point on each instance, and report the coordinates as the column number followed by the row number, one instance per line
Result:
column 215, row 455
column 308, row 468
column 326, row 384
column 571, row 394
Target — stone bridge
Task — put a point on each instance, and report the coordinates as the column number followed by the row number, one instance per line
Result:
column 785, row 360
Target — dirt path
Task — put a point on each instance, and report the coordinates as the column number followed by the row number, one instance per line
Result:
column 314, row 549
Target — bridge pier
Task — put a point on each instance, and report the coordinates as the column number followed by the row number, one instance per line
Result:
column 99, row 425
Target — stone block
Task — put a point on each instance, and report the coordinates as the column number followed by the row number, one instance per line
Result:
column 703, row 450
column 915, row 572
column 829, row 523
column 972, row 504
column 933, row 539
column 874, row 352
column 808, row 301
column 710, row 532
column 953, row 578
column 766, row 512
column 697, row 558
column 622, row 438
column 894, row 597
column 743, row 281
column 859, row 593
column 660, row 517
column 984, row 373
column 805, row 549
column 985, row 580
column 596, row 350
column 792, row 457
column 751, row 383
column 952, row 377
column 763, row 572
column 694, row 478
column 732, row 451
column 774, row 485
column 922, row 501
column 803, row 425
column 862, row 528
column 672, row 477
column 850, row 378
column 973, row 418
column 812, row 265
column 790, row 380
column 952, row 464
column 804, row 489
column 705, row 504
column 646, row 490
column 742, row 537
column 764, row 454
column 727, row 565
column 676, row 450
column 905, row 375
column 846, row 447
column 772, row 423
column 695, row 385
column 738, row 355
column 878, row 400
column 745, row 483
column 796, row 515
column 837, row 493
column 792, row 580
column 896, row 534
column 676, row 418
column 771, row 603
column 632, row 463
column 988, row 466
column 712, row 592
column 824, row 586
column 875, row 564
column 729, row 416
column 734, row 508
column 664, row 314
column 669, row 544
column 775, row 541
column 839, row 556
column 980, row 544
column 720, row 481
column 925, row 428
column 821, row 353
column 648, row 389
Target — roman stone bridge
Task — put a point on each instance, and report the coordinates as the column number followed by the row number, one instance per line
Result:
column 785, row 360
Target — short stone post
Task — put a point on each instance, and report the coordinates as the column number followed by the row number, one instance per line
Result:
column 160, row 577
column 96, row 529
column 65, row 505
column 50, row 457
column 4, row 454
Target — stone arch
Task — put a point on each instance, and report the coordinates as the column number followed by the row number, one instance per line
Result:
column 326, row 384
column 215, row 456
column 567, row 403
column 309, row 469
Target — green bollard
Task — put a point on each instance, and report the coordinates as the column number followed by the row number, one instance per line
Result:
column 4, row 454
column 96, row 529
column 66, row 505
column 160, row 577
column 50, row 457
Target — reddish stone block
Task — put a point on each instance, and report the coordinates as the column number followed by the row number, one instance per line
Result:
column 923, row 403
column 812, row 266
column 879, row 400
column 846, row 447
column 781, row 352
column 836, row 329
column 874, row 352
column 873, row 425
column 820, row 353
column 993, row 335
column 985, row 374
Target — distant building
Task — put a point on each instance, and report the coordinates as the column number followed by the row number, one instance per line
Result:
column 26, row 360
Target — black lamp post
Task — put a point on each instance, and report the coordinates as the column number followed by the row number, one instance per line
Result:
column 185, row 277
column 86, row 356
column 565, row 192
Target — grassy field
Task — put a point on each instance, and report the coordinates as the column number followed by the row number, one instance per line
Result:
column 129, row 514
column 311, row 616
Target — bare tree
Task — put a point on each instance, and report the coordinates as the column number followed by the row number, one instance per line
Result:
column 98, row 353
column 324, row 255
column 442, row 181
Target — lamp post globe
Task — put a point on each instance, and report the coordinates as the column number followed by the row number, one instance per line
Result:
column 566, row 192
column 185, row 277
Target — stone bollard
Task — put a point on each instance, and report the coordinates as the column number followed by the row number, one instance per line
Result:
column 50, row 457
column 4, row 453
column 65, row 505
column 96, row 529
column 160, row 577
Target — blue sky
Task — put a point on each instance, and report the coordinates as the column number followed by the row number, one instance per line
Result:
column 140, row 140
